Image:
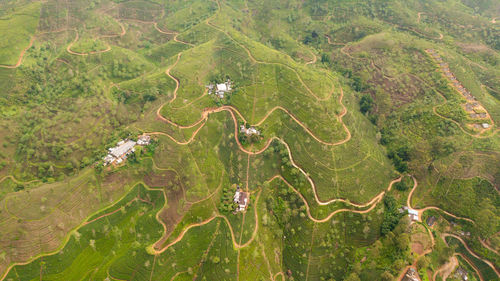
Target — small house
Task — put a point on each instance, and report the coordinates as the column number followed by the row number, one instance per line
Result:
column 249, row 131
column 144, row 140
column 413, row 214
column 210, row 88
column 240, row 198
column 222, row 88
column 431, row 220
column 485, row 125
column 461, row 274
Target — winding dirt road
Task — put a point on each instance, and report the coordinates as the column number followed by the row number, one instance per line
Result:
column 487, row 246
column 20, row 60
column 233, row 236
column 490, row 264
column 333, row 43
column 108, row 48
column 254, row 60
column 421, row 211
column 17, row 181
column 372, row 202
column 434, row 110
column 155, row 24
column 313, row 60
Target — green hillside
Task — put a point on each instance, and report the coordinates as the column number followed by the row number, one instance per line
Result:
column 249, row 140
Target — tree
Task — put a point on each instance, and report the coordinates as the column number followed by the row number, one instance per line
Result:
column 325, row 58
column 366, row 103
column 423, row 262
column 402, row 185
column 352, row 277
column 402, row 241
column 487, row 222
column 386, row 276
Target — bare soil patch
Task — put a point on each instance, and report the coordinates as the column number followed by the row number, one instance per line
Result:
column 449, row 267
column 474, row 48
column 417, row 248
column 161, row 179
column 173, row 213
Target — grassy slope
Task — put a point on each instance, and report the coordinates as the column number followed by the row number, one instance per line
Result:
column 356, row 170
column 17, row 30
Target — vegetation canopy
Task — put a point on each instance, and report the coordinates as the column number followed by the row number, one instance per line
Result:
column 250, row 140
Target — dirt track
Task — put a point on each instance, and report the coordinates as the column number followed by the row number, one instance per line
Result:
column 421, row 211
column 205, row 114
column 233, row 112
column 108, row 48
column 487, row 246
column 17, row 181
column 155, row 24
column 419, row 16
column 313, row 60
column 19, row 61
column 490, row 264
column 434, row 110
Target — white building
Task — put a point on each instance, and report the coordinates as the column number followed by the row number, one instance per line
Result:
column 221, row 89
column 240, row 198
column 249, row 131
column 485, row 125
column 144, row 140
column 413, row 214
column 118, row 153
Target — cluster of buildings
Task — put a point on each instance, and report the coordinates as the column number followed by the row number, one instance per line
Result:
column 241, row 199
column 219, row 90
column 249, row 131
column 472, row 107
column 118, row 154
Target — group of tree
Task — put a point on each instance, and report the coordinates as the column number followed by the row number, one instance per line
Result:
column 226, row 204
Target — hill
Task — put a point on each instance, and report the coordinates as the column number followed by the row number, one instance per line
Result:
column 321, row 119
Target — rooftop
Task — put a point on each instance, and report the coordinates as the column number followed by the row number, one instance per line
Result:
column 222, row 87
column 122, row 148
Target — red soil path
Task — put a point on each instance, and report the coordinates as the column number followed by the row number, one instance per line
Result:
column 108, row 48
column 421, row 211
column 490, row 264
column 487, row 246
column 19, row 61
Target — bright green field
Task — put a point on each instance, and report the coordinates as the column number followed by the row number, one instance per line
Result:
column 17, row 29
